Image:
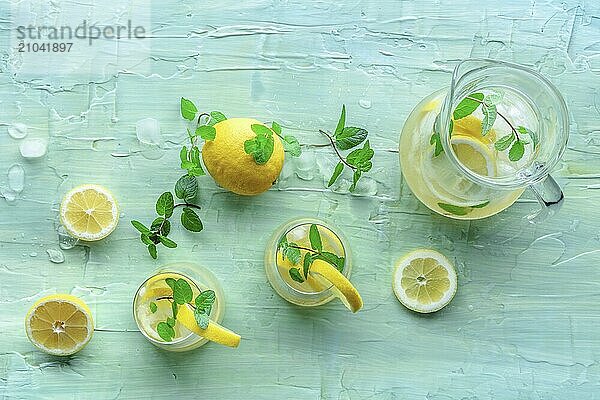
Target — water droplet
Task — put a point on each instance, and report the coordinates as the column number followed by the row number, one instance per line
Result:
column 17, row 130
column 147, row 131
column 9, row 195
column 33, row 148
column 364, row 103
column 56, row 256
column 33, row 254
column 65, row 241
column 470, row 307
column 16, row 178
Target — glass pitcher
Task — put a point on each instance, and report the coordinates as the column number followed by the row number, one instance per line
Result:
column 469, row 151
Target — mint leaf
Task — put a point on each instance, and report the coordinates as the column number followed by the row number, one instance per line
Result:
column 315, row 238
column 190, row 220
column 339, row 168
column 201, row 318
column 493, row 98
column 361, row 158
column 167, row 242
column 166, row 226
column 152, row 251
column 215, row 117
column 341, row 122
column 205, row 300
column 350, row 137
column 296, row 275
column 183, row 155
column 261, row 147
column 171, row 282
column 275, row 127
column 171, row 321
column 261, row 130
column 165, row 331
column 174, row 309
column 355, row 177
column 282, row 245
column 533, row 135
column 165, row 204
column 188, row 109
column 333, row 259
column 481, row 205
column 206, row 132
column 516, row 151
column 153, row 307
column 292, row 253
column 489, row 117
column 456, row 210
column 467, row 105
column 182, row 292
column 435, row 139
column 504, row 142
column 146, row 239
column 292, row 146
column 140, row 227
column 186, row 188
column 308, row 259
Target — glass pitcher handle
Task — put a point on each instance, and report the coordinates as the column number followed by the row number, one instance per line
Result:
column 550, row 196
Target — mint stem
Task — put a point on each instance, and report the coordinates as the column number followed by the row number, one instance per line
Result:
column 501, row 116
column 304, row 248
column 336, row 149
column 171, row 299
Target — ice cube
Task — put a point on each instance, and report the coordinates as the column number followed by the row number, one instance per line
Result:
column 298, row 233
column 305, row 165
column 33, row 148
column 56, row 256
column 17, row 130
column 16, row 178
column 365, row 187
column 147, row 131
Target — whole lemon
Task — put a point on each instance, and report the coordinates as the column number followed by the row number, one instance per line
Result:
column 230, row 166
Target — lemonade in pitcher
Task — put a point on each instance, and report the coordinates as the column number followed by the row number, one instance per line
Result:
column 470, row 151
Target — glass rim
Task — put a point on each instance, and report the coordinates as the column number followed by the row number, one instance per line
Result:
column 293, row 224
column 519, row 180
column 135, row 297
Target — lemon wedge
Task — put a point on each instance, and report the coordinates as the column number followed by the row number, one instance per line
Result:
column 59, row 324
column 424, row 281
column 474, row 154
column 341, row 285
column 214, row 332
column 89, row 212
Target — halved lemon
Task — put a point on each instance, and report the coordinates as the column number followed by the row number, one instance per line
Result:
column 424, row 281
column 59, row 324
column 214, row 332
column 474, row 154
column 341, row 285
column 89, row 212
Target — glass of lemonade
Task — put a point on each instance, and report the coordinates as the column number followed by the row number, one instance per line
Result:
column 470, row 150
column 153, row 304
column 293, row 250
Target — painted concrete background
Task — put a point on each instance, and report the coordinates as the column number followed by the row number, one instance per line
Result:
column 525, row 322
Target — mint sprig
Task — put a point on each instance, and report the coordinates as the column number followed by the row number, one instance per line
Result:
column 346, row 138
column 261, row 147
column 293, row 252
column 182, row 296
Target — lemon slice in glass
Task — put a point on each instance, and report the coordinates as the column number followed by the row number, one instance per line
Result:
column 59, row 324
column 474, row 154
column 341, row 285
column 424, row 281
column 89, row 212
column 214, row 332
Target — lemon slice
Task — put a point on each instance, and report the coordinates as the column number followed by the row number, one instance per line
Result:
column 89, row 212
column 424, row 281
column 214, row 332
column 471, row 126
column 474, row 154
column 341, row 285
column 59, row 324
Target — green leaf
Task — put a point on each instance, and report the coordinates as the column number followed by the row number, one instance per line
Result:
column 308, row 259
column 282, row 245
column 152, row 251
column 171, row 282
column 165, row 204
column 201, row 318
column 174, row 309
column 350, row 137
column 186, row 188
column 333, row 259
column 171, row 321
column 435, row 139
column 456, row 210
column 206, row 132
column 355, row 177
column 166, row 226
column 315, row 238
column 341, row 122
column 205, row 300
column 153, row 307
column 361, row 158
column 261, row 148
column 140, row 227
column 481, row 205
column 493, row 99
column 183, row 155
column 190, row 220
column 339, row 168
column 296, row 275
column 533, row 135
column 215, row 117
column 165, row 331
column 167, row 242
column 467, row 106
column 516, row 151
column 293, row 254
column 292, row 146
column 275, row 127
column 504, row 142
column 146, row 239
column 261, row 130
column 489, row 117
column 188, row 109
column 182, row 292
